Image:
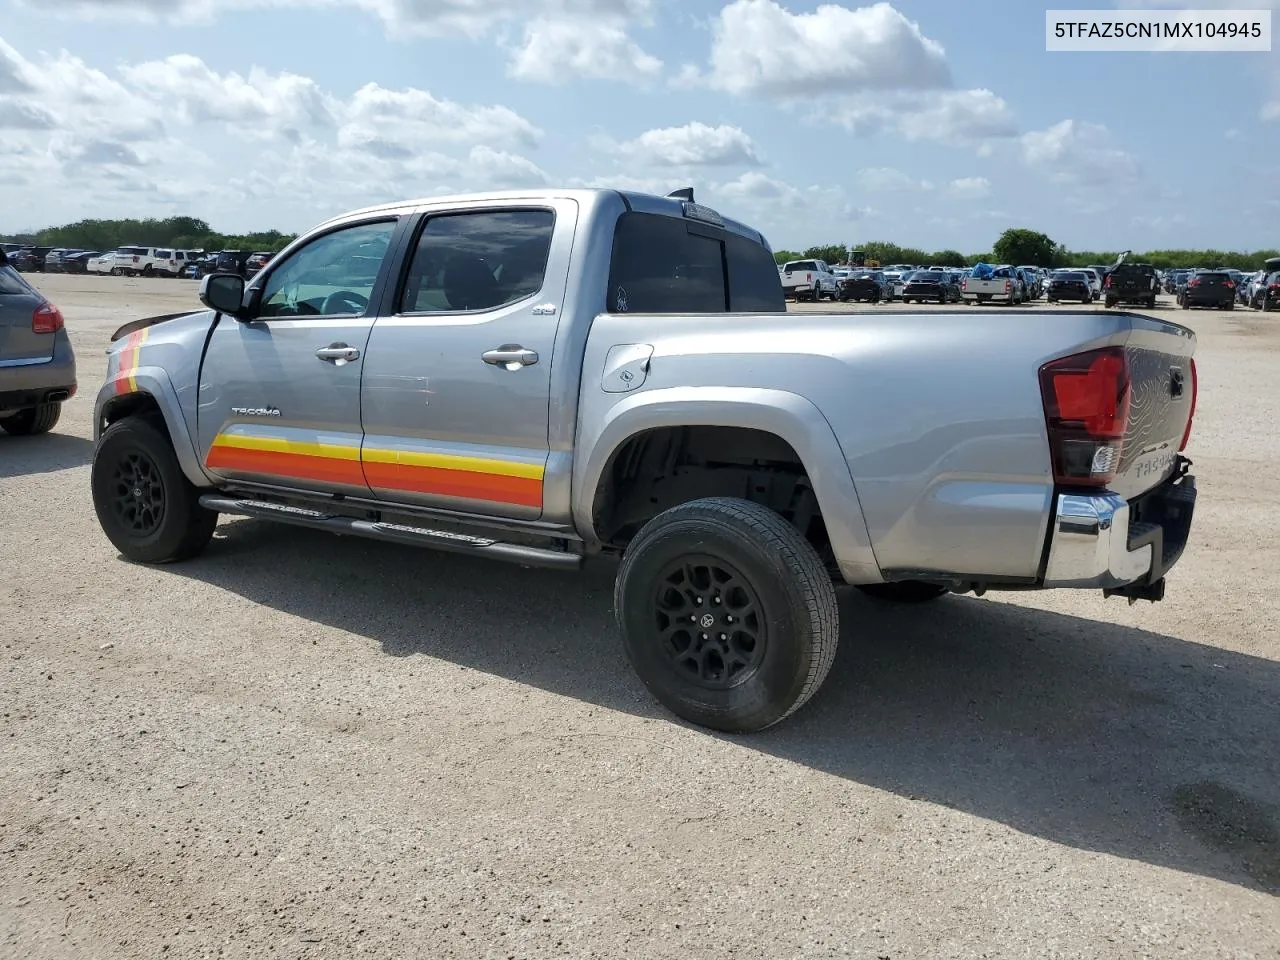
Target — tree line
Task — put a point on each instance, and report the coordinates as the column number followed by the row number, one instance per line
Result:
column 1030, row 248
column 179, row 233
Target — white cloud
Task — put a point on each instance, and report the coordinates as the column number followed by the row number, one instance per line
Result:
column 974, row 188
column 760, row 48
column 260, row 102
column 952, row 116
column 555, row 51
column 1076, row 152
column 400, row 123
column 889, row 180
column 692, row 145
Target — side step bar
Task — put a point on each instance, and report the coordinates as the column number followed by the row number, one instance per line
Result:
column 394, row 532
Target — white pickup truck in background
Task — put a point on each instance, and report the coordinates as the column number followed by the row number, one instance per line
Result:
column 1003, row 286
column 809, row 280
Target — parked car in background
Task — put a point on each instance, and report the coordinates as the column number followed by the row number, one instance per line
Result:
column 231, row 261
column 900, row 283
column 53, row 259
column 30, row 259
column 930, row 285
column 133, row 261
column 77, row 262
column 1266, row 293
column 1095, row 280
column 37, row 364
column 1246, row 290
column 201, row 267
column 1131, row 283
column 1209, row 288
column 1069, row 285
column 169, row 263
column 1034, row 280
column 1001, row 284
column 869, row 285
column 102, row 263
column 256, row 263
column 809, row 280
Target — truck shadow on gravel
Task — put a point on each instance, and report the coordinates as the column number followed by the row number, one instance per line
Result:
column 1089, row 734
column 47, row 453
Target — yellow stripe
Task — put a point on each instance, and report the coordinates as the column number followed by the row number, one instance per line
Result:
column 281, row 445
column 447, row 461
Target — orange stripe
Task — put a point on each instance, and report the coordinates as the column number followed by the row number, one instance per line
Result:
column 294, row 465
column 467, row 484
column 129, row 363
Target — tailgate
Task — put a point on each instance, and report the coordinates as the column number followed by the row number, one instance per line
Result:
column 18, row 303
column 1162, row 375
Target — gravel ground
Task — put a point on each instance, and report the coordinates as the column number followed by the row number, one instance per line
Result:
column 299, row 746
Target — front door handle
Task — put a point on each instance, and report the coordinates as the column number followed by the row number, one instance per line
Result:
column 510, row 355
column 338, row 353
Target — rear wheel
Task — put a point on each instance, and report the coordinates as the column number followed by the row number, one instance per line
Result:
column 33, row 420
column 147, row 507
column 727, row 614
column 904, row 591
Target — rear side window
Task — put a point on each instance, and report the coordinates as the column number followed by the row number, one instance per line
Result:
column 666, row 264
column 478, row 261
column 754, row 285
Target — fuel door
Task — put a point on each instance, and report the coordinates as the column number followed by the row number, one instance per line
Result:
column 626, row 367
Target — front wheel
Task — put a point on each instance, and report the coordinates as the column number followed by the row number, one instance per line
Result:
column 32, row 421
column 904, row 591
column 727, row 614
column 146, row 506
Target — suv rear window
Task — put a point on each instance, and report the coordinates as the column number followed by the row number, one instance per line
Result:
column 1213, row 277
column 665, row 264
column 11, row 282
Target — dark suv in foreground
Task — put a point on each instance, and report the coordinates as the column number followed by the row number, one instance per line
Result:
column 1131, row 283
column 1209, row 288
column 37, row 365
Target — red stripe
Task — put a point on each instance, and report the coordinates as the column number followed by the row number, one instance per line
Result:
column 294, row 465
column 467, row 484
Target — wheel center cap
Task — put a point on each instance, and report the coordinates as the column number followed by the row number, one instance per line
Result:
column 707, row 621
column 137, row 493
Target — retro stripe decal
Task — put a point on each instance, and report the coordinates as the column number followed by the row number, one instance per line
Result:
column 448, row 475
column 281, row 457
column 438, row 474
column 126, row 381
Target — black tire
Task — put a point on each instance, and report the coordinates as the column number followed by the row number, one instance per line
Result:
column 1108, row 303
column 1266, row 305
column 723, row 546
column 1230, row 305
column 165, row 522
column 904, row 591
column 33, row 420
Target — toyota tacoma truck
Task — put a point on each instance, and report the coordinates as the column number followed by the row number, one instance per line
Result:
column 543, row 377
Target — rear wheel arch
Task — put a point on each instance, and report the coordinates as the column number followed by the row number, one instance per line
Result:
column 779, row 435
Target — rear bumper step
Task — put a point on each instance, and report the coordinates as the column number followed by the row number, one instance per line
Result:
column 394, row 532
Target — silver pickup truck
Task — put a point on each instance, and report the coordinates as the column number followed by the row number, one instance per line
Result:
column 545, row 376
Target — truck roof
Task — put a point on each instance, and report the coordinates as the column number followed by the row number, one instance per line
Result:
column 588, row 196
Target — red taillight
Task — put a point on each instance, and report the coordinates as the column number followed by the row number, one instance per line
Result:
column 1008, row 286
column 1108, row 283
column 1274, row 286
column 1195, row 395
column 1193, row 283
column 1231, row 283
column 1086, row 403
column 46, row 319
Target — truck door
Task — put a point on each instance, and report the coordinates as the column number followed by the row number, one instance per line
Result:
column 457, row 381
column 280, row 395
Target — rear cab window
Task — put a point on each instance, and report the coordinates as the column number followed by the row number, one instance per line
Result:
column 666, row 264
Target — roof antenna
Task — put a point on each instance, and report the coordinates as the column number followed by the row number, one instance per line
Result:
column 684, row 193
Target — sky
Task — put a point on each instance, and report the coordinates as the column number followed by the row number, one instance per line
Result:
column 930, row 123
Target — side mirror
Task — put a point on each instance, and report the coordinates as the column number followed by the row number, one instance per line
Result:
column 224, row 293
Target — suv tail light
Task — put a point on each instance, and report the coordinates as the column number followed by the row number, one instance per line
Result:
column 1193, row 283
column 1086, row 405
column 1230, row 283
column 46, row 319
column 1108, row 283
column 1195, row 395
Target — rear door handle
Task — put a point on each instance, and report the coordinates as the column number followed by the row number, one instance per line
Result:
column 338, row 353
column 510, row 355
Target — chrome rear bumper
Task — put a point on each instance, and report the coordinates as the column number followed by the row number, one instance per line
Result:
column 1102, row 541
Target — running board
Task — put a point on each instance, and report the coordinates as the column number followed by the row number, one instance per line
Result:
column 394, row 532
